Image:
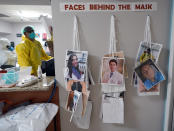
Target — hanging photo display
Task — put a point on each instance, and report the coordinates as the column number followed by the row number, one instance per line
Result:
column 113, row 81
column 149, row 74
column 112, row 71
column 147, row 57
column 145, row 53
column 75, row 77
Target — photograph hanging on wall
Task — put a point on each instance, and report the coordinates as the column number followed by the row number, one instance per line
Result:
column 112, row 71
column 149, row 74
column 72, row 101
column 76, row 64
column 119, row 54
column 75, row 74
column 73, row 93
column 44, row 36
column 142, row 91
column 144, row 52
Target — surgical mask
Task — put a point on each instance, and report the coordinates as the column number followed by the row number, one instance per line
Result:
column 10, row 77
column 32, row 35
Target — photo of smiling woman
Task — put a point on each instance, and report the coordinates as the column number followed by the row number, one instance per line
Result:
column 76, row 63
column 73, row 66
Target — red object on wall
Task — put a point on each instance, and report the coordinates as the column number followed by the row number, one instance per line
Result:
column 44, row 36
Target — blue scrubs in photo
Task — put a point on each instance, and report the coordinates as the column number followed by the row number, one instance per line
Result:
column 158, row 77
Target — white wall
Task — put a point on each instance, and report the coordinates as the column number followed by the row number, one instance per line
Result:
column 5, row 30
column 25, row 2
column 9, row 30
column 5, row 27
column 141, row 113
column 5, row 35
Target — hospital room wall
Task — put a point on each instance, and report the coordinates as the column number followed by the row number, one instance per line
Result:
column 18, row 27
column 5, row 29
column 10, row 29
column 141, row 113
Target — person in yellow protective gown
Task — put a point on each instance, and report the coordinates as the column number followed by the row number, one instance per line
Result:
column 146, row 55
column 30, row 51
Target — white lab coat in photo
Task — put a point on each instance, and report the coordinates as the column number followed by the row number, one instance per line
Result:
column 116, row 78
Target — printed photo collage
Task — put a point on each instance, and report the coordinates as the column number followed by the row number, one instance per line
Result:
column 147, row 75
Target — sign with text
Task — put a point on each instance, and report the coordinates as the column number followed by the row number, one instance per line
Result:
column 108, row 6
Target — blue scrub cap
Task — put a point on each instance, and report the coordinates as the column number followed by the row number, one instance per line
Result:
column 28, row 29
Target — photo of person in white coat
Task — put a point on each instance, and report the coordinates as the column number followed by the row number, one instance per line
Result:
column 115, row 73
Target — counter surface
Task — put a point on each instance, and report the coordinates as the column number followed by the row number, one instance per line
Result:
column 34, row 87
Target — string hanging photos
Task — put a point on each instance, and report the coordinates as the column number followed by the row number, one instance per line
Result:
column 76, row 81
column 113, row 81
column 147, row 50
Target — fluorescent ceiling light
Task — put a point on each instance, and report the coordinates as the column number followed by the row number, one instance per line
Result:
column 28, row 14
column 32, row 14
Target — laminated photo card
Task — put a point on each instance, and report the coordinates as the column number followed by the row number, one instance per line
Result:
column 76, row 75
column 119, row 54
column 112, row 71
column 73, row 98
column 112, row 74
column 72, row 102
column 149, row 74
column 76, row 64
column 142, row 91
column 145, row 52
